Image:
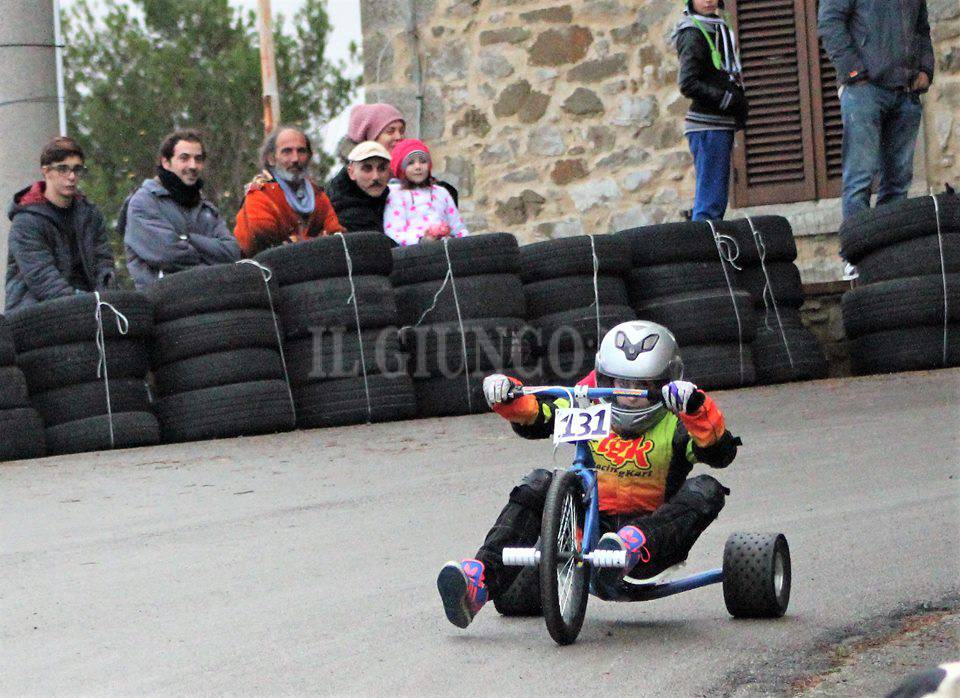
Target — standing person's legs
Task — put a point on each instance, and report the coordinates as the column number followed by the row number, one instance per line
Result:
column 898, row 141
column 711, row 162
column 861, row 110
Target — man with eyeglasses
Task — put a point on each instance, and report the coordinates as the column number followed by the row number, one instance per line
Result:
column 359, row 191
column 168, row 225
column 58, row 244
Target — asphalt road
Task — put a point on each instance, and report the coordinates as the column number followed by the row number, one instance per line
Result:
column 306, row 562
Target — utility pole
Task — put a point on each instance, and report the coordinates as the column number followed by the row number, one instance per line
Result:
column 268, row 67
column 28, row 100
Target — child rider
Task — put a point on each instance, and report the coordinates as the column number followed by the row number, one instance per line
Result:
column 648, row 507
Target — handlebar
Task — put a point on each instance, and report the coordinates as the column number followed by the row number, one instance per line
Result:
column 579, row 391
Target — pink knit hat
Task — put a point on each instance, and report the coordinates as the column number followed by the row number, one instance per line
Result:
column 368, row 120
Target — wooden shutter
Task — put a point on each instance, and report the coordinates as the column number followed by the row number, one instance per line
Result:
column 790, row 149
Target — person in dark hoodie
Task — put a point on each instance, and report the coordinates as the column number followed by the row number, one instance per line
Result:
column 359, row 191
column 710, row 78
column 58, row 244
column 168, row 225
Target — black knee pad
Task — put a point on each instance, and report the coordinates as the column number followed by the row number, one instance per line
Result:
column 531, row 493
column 702, row 493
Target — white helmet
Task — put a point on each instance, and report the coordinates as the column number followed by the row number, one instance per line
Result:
column 638, row 351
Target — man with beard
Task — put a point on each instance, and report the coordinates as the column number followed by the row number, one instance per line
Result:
column 359, row 191
column 282, row 204
column 168, row 225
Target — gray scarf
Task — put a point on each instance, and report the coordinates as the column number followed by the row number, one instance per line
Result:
column 299, row 194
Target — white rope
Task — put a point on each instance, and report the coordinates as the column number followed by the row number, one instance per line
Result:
column 768, row 288
column 356, row 315
column 123, row 326
column 943, row 274
column 267, row 274
column 596, row 290
column 727, row 244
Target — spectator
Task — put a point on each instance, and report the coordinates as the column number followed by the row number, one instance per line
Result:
column 418, row 209
column 282, row 204
column 359, row 191
column 168, row 224
column 710, row 78
column 58, row 244
column 884, row 60
column 384, row 124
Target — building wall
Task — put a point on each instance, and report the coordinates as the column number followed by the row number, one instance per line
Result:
column 560, row 119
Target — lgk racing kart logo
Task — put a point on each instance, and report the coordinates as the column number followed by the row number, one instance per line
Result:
column 622, row 452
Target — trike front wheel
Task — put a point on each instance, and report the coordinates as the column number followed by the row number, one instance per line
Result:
column 564, row 577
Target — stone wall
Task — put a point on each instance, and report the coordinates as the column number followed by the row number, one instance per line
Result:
column 559, row 119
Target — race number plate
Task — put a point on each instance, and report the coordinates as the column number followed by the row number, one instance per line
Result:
column 573, row 424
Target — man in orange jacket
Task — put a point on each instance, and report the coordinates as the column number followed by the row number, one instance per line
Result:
column 282, row 204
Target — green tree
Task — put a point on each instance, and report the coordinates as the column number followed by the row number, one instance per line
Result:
column 136, row 70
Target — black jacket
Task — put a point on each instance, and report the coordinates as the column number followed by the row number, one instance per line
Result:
column 356, row 210
column 887, row 40
column 46, row 260
column 712, row 91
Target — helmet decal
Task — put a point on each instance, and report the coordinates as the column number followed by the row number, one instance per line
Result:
column 633, row 350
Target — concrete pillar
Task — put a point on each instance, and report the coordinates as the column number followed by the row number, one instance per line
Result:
column 28, row 100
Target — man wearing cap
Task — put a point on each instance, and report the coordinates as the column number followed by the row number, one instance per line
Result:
column 282, row 204
column 359, row 191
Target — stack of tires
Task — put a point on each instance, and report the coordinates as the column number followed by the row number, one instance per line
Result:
column 568, row 312
column 678, row 280
column 217, row 356
column 784, row 349
column 317, row 288
column 448, row 362
column 83, row 407
column 904, row 312
column 21, row 429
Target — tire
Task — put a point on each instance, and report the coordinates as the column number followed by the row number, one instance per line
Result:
column 718, row 366
column 917, row 257
column 897, row 221
column 772, row 360
column 562, row 368
column 21, row 434
column 910, row 349
column 493, row 253
column 324, row 257
column 333, row 355
column 646, row 283
column 756, row 575
column 239, row 409
column 213, row 333
column 891, row 305
column 563, row 515
column 318, row 305
column 522, row 598
column 224, row 368
column 130, row 430
column 704, row 318
column 557, row 295
column 448, row 397
column 492, row 344
column 485, row 296
column 671, row 243
column 68, row 364
column 577, row 329
column 343, row 401
column 7, row 349
column 553, row 259
column 211, row 289
column 785, row 284
column 75, row 402
column 72, row 319
column 13, row 388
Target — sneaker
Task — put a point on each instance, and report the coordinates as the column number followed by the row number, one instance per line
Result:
column 850, row 272
column 462, row 591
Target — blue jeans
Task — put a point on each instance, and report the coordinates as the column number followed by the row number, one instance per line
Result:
column 711, row 161
column 879, row 135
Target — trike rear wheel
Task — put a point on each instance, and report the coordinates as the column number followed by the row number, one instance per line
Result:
column 564, row 577
column 756, row 575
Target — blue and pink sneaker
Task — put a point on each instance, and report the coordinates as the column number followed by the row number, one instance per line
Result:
column 462, row 591
column 630, row 539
